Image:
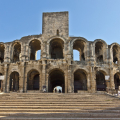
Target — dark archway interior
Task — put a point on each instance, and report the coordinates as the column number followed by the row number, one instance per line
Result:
column 56, row 78
column 0, row 82
column 14, row 81
column 2, row 53
column 33, row 80
column 115, row 53
column 16, row 52
column 79, row 45
column 35, row 45
column 80, row 80
column 100, row 81
column 99, row 51
column 117, row 80
column 56, row 49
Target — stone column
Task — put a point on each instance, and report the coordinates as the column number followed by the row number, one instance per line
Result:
column 66, row 83
column 22, row 78
column 44, row 75
column 8, row 84
column 5, row 78
column 40, row 83
column 93, row 79
column 25, row 84
column 112, row 84
column 21, row 83
column 69, row 80
column 72, row 84
column 88, row 83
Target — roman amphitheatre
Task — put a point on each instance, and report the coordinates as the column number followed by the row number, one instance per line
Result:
column 24, row 77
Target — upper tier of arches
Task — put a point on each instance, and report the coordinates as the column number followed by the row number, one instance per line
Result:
column 58, row 47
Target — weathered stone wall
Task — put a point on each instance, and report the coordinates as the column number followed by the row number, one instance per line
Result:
column 55, row 21
column 44, row 66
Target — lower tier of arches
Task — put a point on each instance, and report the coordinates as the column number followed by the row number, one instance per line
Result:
column 57, row 79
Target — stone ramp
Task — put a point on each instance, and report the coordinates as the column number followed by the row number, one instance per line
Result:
column 38, row 106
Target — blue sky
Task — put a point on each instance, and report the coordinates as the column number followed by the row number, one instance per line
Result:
column 91, row 19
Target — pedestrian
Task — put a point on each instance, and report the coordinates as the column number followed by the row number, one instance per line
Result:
column 55, row 90
column 59, row 91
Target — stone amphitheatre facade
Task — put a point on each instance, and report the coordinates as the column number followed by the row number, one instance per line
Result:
column 56, row 67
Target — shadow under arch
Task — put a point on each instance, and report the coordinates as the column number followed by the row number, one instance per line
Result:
column 35, row 45
column 56, row 78
column 80, row 80
column 14, row 81
column 16, row 51
column 2, row 48
column 100, row 80
column 115, row 48
column 117, row 80
column 56, row 47
column 33, row 80
column 1, row 83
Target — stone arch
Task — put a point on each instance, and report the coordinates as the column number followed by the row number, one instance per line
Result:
column 16, row 51
column 14, row 81
column 33, row 80
column 52, row 48
column 56, row 48
column 100, row 40
column 83, row 69
column 79, row 38
column 56, row 77
column 104, row 71
column 34, row 39
column 100, row 50
column 100, row 80
column 54, row 67
column 114, row 50
column 79, row 44
column 15, row 71
column 56, row 37
column 2, row 52
column 80, row 80
column 34, row 46
column 117, row 80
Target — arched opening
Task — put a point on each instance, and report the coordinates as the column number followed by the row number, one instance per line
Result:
column 35, row 46
column 115, row 54
column 76, row 55
column 1, row 82
column 100, row 81
column 79, row 46
column 16, row 52
column 99, row 52
column 2, row 48
column 117, row 80
column 14, row 81
column 33, row 80
column 80, row 81
column 56, row 78
column 56, row 48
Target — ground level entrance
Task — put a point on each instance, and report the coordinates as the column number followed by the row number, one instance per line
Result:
column 56, row 78
column 14, row 81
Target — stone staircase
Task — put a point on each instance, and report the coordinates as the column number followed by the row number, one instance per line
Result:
column 43, row 106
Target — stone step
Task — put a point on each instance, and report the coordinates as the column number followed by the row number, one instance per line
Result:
column 76, row 110
column 55, row 106
column 58, row 103
column 79, row 113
